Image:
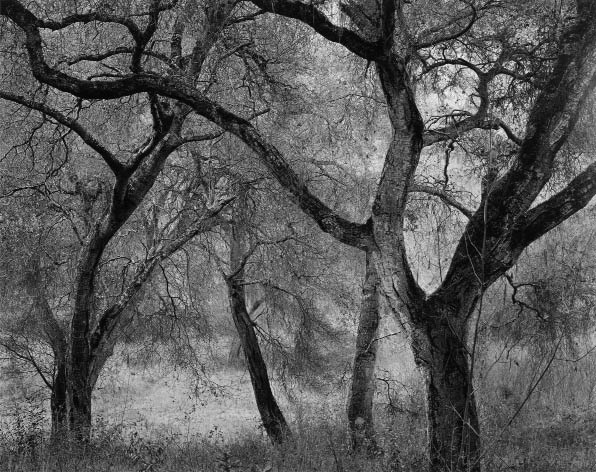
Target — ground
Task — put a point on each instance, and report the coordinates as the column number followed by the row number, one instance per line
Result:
column 159, row 417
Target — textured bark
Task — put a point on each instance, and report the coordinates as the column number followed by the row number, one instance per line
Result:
column 273, row 419
column 453, row 426
column 79, row 368
column 80, row 410
column 59, row 399
column 360, row 403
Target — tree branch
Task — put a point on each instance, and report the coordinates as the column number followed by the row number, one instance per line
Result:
column 551, row 213
column 354, row 234
column 310, row 15
column 444, row 196
column 452, row 35
column 103, row 339
column 70, row 123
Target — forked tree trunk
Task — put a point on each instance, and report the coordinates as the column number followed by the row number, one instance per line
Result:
column 360, row 403
column 453, row 426
column 273, row 419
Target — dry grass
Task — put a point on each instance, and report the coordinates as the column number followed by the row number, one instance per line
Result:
column 159, row 419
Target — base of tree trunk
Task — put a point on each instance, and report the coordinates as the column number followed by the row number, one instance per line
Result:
column 453, row 426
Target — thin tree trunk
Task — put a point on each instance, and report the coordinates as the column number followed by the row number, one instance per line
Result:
column 273, row 419
column 453, row 426
column 360, row 403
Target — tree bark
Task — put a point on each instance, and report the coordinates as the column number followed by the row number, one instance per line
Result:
column 273, row 419
column 443, row 357
column 80, row 354
column 360, row 403
column 59, row 400
column 80, row 408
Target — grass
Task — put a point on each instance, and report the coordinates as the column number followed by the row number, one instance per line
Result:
column 160, row 419
column 560, row 444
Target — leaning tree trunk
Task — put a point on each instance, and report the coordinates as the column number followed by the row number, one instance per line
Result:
column 273, row 419
column 453, row 426
column 360, row 403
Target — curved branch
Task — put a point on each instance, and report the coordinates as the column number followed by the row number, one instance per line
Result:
column 310, row 15
column 476, row 121
column 444, row 196
column 70, row 123
column 453, row 35
column 114, row 52
column 354, row 234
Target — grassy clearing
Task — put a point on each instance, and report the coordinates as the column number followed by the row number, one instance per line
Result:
column 156, row 418
column 562, row 444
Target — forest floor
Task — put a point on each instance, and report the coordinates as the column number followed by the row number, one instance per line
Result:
column 164, row 419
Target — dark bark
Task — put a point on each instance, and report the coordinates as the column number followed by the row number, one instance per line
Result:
column 453, row 426
column 131, row 186
column 79, row 368
column 80, row 410
column 273, row 419
column 360, row 403
column 59, row 400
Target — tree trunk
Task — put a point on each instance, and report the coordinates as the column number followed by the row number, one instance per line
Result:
column 80, row 410
column 453, row 427
column 59, row 401
column 360, row 403
column 273, row 420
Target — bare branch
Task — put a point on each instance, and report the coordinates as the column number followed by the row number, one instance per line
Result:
column 444, row 196
column 452, row 35
column 549, row 214
column 472, row 122
column 117, row 51
column 103, row 339
column 313, row 17
column 70, row 123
